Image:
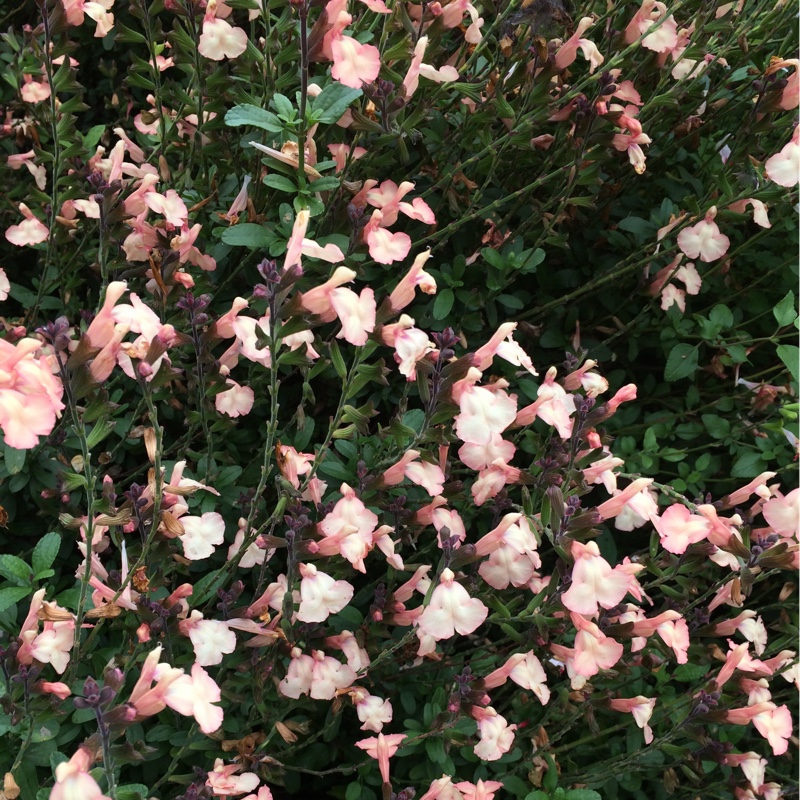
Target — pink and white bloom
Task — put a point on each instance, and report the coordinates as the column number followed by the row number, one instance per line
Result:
column 321, row 595
column 553, row 405
column 373, row 712
column 482, row 790
column 496, row 735
column 98, row 10
column 568, row 51
column 349, row 527
column 356, row 313
column 484, row 410
column 594, row 651
column 220, row 40
column 224, row 782
column 201, row 534
column 211, row 638
column 403, row 293
column 30, row 231
column 664, row 38
column 73, row 781
column 194, row 696
column 704, row 240
column 784, row 168
column 679, row 528
column 594, row 582
column 451, row 610
column 642, row 710
column 526, row 671
column 382, row 749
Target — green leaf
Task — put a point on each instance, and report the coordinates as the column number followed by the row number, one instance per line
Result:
column 99, row 432
column 337, row 360
column 14, row 459
column 132, row 791
column 280, row 182
column 785, row 311
column 325, row 184
column 45, row 552
column 12, row 594
column 583, row 794
column 682, row 362
column 748, row 465
column 332, row 102
column 717, row 427
column 443, row 303
column 15, row 569
column 283, row 105
column 721, row 317
column 689, row 673
column 92, row 136
column 790, row 355
column 353, row 791
column 256, row 116
column 249, row 234
column 72, row 481
column 537, row 795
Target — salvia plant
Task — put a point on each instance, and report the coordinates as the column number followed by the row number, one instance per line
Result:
column 398, row 400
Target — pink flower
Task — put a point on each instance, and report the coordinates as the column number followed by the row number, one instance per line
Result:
column 321, row 595
column 593, row 581
column 482, row 790
column 211, row 638
column 236, row 401
column 411, row 345
column 98, row 11
column 759, row 210
column 642, row 710
column 372, row 711
column 220, row 40
column 784, row 168
column 678, row 528
column 775, row 725
column 386, row 247
column 496, row 735
column 481, row 456
column 526, row 671
column 403, row 293
column 382, row 749
column 30, row 231
column 224, row 781
column 611, row 508
column 782, row 514
column 341, row 152
column 594, row 650
column 30, row 395
column 704, row 239
column 169, row 205
column 354, row 64
column 73, row 780
column 664, row 38
column 356, row 313
column 5, row 285
column 484, row 411
column 60, row 690
column 553, row 405
column 502, row 344
column 194, row 697
column 351, row 525
column 675, row 634
column 451, row 610
column 34, row 91
column 568, row 51
column 318, row 300
column 201, row 534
